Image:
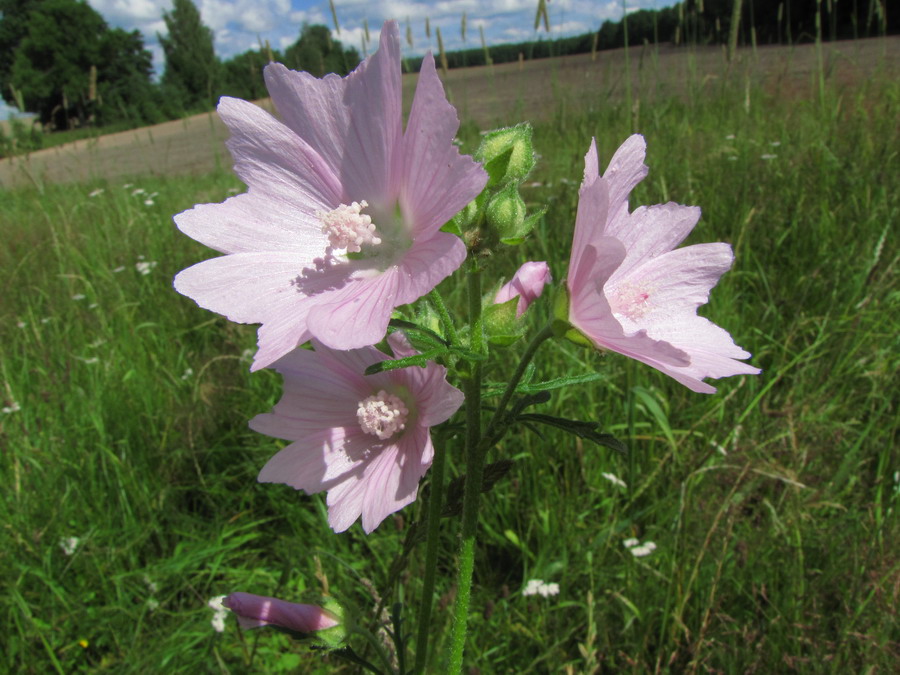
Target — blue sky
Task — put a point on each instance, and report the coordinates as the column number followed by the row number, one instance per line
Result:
column 239, row 25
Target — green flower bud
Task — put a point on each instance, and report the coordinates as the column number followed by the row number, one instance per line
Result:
column 505, row 213
column 501, row 325
column 507, row 154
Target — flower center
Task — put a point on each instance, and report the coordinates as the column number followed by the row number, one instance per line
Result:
column 382, row 415
column 631, row 301
column 348, row 228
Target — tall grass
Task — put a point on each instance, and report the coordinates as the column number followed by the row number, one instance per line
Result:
column 772, row 504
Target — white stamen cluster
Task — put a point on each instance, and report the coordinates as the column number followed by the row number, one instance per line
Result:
column 382, row 415
column 348, row 228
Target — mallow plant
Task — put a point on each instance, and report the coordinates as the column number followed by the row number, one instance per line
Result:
column 349, row 223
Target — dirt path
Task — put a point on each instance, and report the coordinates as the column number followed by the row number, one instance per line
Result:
column 487, row 96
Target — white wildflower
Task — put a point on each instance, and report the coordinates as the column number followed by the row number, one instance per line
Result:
column 775, row 144
column 137, row 191
column 538, row 587
column 614, row 479
column 11, row 408
column 151, row 585
column 149, row 202
column 637, row 549
column 643, row 550
column 187, row 373
column 95, row 193
column 69, row 544
column 121, row 268
column 153, row 605
column 21, row 324
column 730, row 137
column 767, row 156
column 219, row 613
column 78, row 296
column 145, row 267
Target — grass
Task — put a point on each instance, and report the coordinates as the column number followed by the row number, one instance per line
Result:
column 773, row 503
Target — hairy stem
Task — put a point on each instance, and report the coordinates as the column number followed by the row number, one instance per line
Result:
column 474, row 474
column 431, row 546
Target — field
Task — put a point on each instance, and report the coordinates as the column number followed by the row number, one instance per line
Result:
column 130, row 495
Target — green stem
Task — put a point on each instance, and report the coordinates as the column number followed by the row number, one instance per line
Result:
column 431, row 547
column 446, row 320
column 539, row 339
column 474, row 476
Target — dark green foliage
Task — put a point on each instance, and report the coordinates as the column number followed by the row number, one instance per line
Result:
column 52, row 64
column 14, row 15
column 193, row 73
column 316, row 53
column 242, row 76
column 125, row 90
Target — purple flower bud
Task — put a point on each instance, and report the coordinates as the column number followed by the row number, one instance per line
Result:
column 254, row 611
column 527, row 284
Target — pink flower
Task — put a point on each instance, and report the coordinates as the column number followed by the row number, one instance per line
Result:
column 341, row 221
column 364, row 439
column 254, row 611
column 630, row 292
column 527, row 284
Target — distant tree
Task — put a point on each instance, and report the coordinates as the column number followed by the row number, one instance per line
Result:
column 52, row 64
column 317, row 53
column 193, row 72
column 14, row 16
column 242, row 75
column 125, row 90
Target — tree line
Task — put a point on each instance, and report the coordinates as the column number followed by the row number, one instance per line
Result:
column 60, row 60
column 705, row 22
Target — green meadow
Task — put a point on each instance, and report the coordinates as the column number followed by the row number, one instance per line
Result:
column 130, row 496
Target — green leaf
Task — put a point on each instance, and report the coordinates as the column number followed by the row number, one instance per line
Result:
column 425, row 333
column 495, row 389
column 589, row 431
column 420, row 360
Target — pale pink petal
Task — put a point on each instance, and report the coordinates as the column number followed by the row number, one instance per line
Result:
column 325, row 461
column 676, row 282
column 269, row 157
column 650, row 231
column 590, row 219
column 356, row 315
column 245, row 287
column 437, row 399
column 393, row 478
column 253, row 222
column 426, row 264
column 370, row 167
column 625, row 170
column 595, row 264
column 430, row 161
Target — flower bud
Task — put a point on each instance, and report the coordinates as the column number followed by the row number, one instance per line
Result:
column 527, row 284
column 253, row 611
column 505, row 214
column 507, row 154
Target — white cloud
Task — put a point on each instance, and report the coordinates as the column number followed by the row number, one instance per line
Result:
column 239, row 25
